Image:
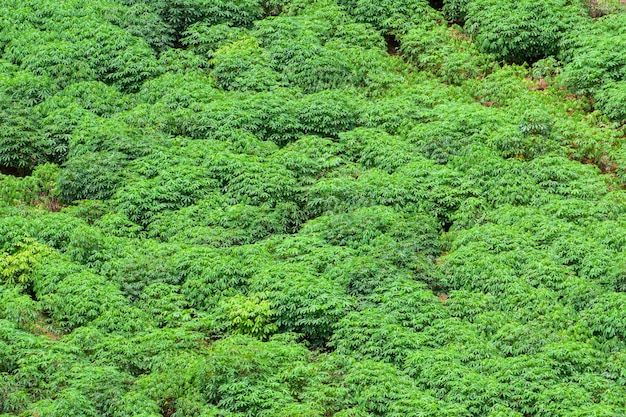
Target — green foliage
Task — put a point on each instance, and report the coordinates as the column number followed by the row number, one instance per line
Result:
column 78, row 299
column 521, row 31
column 455, row 10
column 447, row 53
column 387, row 330
column 19, row 308
column 143, row 19
column 36, row 189
column 243, row 375
column 92, row 175
column 251, row 315
column 21, row 148
column 612, row 100
column 317, row 54
column 17, row 264
column 205, row 38
column 604, row 317
column 593, row 56
column 536, row 122
column 303, row 302
column 181, row 14
column 242, row 66
column 121, row 59
column 311, row 208
column 389, row 15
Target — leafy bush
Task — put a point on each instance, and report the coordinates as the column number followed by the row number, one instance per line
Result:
column 269, row 379
column 205, row 38
column 247, row 315
column 603, row 317
column 242, row 66
column 22, row 147
column 121, row 59
column 182, row 13
column 311, row 208
column 16, row 266
column 93, row 175
column 74, row 302
column 37, row 189
column 319, row 303
column 593, row 54
column 612, row 100
column 447, row 53
column 521, row 31
column 389, row 15
column 455, row 10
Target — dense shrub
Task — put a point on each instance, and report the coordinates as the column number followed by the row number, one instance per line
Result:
column 311, row 208
column 521, row 31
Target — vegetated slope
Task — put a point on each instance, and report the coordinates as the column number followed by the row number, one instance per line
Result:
column 250, row 208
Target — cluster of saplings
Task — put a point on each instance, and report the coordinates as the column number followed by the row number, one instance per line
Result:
column 312, row 208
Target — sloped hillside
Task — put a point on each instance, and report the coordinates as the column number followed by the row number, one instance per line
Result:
column 312, row 208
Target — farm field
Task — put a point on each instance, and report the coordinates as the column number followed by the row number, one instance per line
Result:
column 312, row 208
